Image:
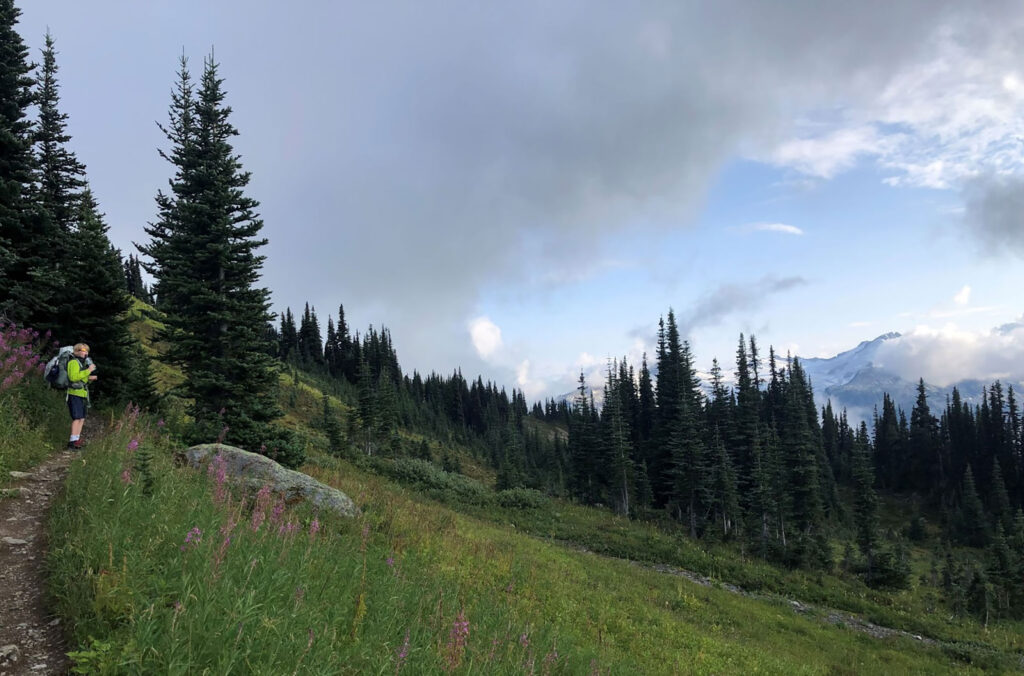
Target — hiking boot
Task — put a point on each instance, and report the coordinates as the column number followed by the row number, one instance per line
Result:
column 71, row 445
column 75, row 445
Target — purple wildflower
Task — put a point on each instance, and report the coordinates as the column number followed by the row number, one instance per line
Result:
column 457, row 639
column 402, row 653
column 133, row 444
column 193, row 538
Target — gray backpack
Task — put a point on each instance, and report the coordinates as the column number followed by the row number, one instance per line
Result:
column 56, row 372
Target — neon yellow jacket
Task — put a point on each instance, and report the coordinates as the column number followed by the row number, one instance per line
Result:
column 78, row 377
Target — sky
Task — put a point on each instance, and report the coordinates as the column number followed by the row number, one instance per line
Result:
column 521, row 189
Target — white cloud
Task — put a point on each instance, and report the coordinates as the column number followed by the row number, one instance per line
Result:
column 963, row 296
column 953, row 114
column 486, row 337
column 828, row 155
column 776, row 227
column 947, row 354
column 531, row 387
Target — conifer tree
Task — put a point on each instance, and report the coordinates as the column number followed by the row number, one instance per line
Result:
column 203, row 252
column 29, row 283
column 618, row 451
column 923, row 471
column 98, row 303
column 865, row 499
column 971, row 515
column 725, row 501
column 61, row 175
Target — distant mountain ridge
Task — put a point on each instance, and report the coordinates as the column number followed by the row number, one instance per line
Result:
column 854, row 380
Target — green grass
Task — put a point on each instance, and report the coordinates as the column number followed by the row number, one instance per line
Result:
column 33, row 422
column 344, row 600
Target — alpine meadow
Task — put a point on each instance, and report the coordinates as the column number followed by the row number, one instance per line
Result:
column 268, row 489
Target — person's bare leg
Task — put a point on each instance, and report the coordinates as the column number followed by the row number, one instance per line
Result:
column 76, row 427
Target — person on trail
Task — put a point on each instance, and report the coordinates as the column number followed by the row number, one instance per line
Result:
column 80, row 369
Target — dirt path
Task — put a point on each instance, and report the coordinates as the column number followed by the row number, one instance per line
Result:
column 31, row 640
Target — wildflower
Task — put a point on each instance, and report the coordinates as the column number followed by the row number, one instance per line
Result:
column 133, row 444
column 223, row 434
column 390, row 561
column 126, row 475
column 287, row 528
column 178, row 607
column 524, row 641
column 219, row 558
column 218, row 471
column 402, row 653
column 160, row 423
column 550, row 659
column 314, row 527
column 259, row 512
column 457, row 639
column 193, row 537
column 275, row 516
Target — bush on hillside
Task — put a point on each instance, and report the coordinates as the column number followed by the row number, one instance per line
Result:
column 522, row 498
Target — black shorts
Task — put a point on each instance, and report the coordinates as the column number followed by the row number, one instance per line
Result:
column 76, row 407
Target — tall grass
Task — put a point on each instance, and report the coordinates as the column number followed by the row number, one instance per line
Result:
column 30, row 415
column 190, row 575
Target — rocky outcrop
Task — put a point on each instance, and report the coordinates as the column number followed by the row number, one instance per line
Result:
column 255, row 471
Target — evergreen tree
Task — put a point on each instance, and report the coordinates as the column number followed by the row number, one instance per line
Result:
column 923, row 471
column 203, row 253
column 30, row 285
column 865, row 499
column 368, row 422
column 725, row 501
column 98, row 305
column 617, row 447
column 971, row 515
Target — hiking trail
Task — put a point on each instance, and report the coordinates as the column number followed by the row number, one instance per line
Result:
column 31, row 638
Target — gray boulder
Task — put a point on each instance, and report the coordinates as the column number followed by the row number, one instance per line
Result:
column 255, row 471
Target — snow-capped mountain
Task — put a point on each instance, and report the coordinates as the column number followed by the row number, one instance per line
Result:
column 857, row 379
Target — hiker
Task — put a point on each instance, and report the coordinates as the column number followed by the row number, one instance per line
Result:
column 80, row 369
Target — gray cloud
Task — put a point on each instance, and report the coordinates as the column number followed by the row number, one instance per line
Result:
column 729, row 299
column 994, row 212
column 408, row 156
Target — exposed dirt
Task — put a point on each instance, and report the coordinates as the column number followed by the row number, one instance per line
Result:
column 31, row 638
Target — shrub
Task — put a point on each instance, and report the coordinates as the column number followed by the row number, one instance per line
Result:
column 522, row 498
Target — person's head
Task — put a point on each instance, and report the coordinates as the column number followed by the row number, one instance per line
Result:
column 81, row 350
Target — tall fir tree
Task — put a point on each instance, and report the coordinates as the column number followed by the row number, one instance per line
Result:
column 29, row 283
column 97, row 303
column 204, row 256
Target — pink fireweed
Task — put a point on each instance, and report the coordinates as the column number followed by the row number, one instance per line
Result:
column 458, row 637
column 288, row 529
column 314, row 528
column 126, row 475
column 222, row 552
column 192, row 539
column 275, row 516
column 402, row 653
column 133, row 444
column 259, row 511
column 218, row 471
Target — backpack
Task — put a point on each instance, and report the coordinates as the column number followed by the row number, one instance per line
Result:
column 56, row 372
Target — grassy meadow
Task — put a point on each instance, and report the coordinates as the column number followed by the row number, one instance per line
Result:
column 160, row 568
